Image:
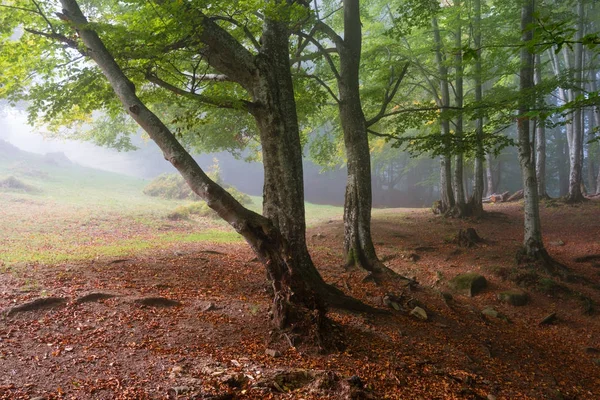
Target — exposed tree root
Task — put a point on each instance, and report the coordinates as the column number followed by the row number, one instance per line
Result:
column 539, row 257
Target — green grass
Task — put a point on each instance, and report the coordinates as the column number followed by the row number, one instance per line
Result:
column 80, row 213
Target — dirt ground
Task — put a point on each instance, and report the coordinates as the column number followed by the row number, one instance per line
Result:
column 213, row 343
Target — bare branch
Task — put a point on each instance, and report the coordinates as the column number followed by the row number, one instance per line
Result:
column 312, row 56
column 388, row 97
column 324, row 52
column 58, row 37
column 322, row 83
column 220, row 103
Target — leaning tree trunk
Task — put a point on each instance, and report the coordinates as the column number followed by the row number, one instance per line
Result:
column 446, row 194
column 299, row 291
column 358, row 244
column 475, row 202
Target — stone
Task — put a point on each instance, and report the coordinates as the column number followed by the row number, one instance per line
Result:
column 514, row 297
column 419, row 313
column 470, row 282
column 177, row 390
column 490, row 312
column 548, row 319
column 273, row 353
column 557, row 243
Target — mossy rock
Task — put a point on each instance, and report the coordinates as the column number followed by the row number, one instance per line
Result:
column 470, row 283
column 514, row 297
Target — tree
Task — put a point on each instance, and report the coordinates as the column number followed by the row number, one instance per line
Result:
column 358, row 243
column 278, row 237
column 533, row 246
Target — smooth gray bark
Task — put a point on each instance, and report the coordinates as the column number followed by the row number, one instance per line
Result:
column 475, row 203
column 460, row 207
column 540, row 138
column 446, row 193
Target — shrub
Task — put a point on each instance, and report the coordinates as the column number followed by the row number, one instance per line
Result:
column 12, row 183
column 169, row 186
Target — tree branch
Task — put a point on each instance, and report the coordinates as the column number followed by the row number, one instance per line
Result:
column 323, row 51
column 322, row 83
column 61, row 38
column 247, row 32
column 312, row 56
column 388, row 97
column 220, row 103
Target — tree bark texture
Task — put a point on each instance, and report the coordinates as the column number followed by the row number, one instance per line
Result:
column 358, row 244
column 540, row 137
column 475, row 203
column 489, row 175
column 460, row 207
column 532, row 242
column 278, row 239
column 446, row 194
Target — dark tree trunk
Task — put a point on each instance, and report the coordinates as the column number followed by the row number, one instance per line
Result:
column 300, row 294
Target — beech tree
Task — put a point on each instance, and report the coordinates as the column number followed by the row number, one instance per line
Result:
column 257, row 71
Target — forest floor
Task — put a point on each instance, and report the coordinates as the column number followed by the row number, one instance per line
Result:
column 212, row 340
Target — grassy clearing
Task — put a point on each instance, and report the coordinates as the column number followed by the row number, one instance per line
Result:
column 79, row 213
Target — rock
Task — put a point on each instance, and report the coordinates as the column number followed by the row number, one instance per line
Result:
column 210, row 306
column 273, row 353
column 177, row 390
column 414, row 257
column 235, row 381
column 419, row 313
column 557, row 243
column 38, row 398
column 514, row 297
column 471, row 283
column 491, row 397
column 592, row 350
column 548, row 319
column 490, row 312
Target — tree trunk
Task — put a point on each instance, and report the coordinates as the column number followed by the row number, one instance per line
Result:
column 358, row 244
column 575, row 194
column 533, row 246
column 300, row 294
column 540, row 137
column 489, row 174
column 532, row 242
column 460, row 207
column 475, row 202
column 446, row 194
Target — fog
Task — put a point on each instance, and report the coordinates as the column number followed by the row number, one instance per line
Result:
column 148, row 162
